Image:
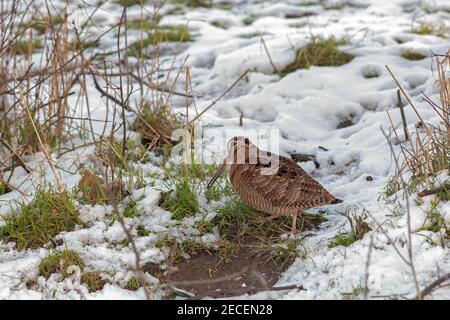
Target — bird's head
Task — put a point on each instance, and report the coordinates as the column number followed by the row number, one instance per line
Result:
column 240, row 150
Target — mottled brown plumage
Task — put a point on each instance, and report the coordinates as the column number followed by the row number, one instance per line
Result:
column 272, row 183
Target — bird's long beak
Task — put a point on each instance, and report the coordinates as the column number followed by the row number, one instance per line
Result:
column 217, row 174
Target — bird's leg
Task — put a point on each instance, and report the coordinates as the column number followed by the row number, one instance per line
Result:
column 294, row 225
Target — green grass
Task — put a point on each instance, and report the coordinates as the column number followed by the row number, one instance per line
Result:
column 179, row 249
column 224, row 5
column 130, row 3
column 235, row 215
column 200, row 171
column 319, row 52
column 144, row 25
column 142, row 231
column 58, row 262
column 236, row 219
column 214, row 193
column 412, row 55
column 111, row 153
column 252, row 35
column 42, row 25
column 358, row 228
column 280, row 251
column 236, row 222
column 93, row 280
column 131, row 210
column 434, row 220
column 444, row 194
column 134, row 284
column 249, row 20
column 217, row 191
column 371, row 73
column 92, row 189
column 356, row 292
column 160, row 34
column 3, row 189
column 194, row 3
column 429, row 29
column 333, row 6
column 423, row 29
column 342, row 239
column 218, row 24
column 22, row 46
column 40, row 221
column 182, row 201
column 390, row 188
column 84, row 44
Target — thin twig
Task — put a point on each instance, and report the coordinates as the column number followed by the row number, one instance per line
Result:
column 408, row 216
column 432, row 286
column 402, row 112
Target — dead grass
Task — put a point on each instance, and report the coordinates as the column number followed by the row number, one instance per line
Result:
column 94, row 280
column 427, row 151
column 358, row 228
column 156, row 124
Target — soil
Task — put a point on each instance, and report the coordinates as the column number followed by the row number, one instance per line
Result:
column 208, row 274
column 243, row 273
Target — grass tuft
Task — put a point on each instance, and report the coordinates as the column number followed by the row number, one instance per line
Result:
column 358, row 228
column 40, row 221
column 93, row 280
column 131, row 210
column 59, row 261
column 92, row 189
column 370, row 73
column 182, row 201
column 159, row 118
column 111, row 153
column 236, row 219
column 425, row 28
column 412, row 55
column 23, row 46
column 130, row 3
column 160, row 34
column 342, row 239
column 134, row 284
column 319, row 52
column 434, row 220
column 142, row 231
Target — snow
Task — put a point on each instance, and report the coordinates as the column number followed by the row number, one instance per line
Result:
column 306, row 107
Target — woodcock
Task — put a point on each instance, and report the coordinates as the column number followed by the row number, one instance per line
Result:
column 271, row 183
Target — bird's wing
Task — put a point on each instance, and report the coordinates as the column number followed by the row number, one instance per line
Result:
column 289, row 185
